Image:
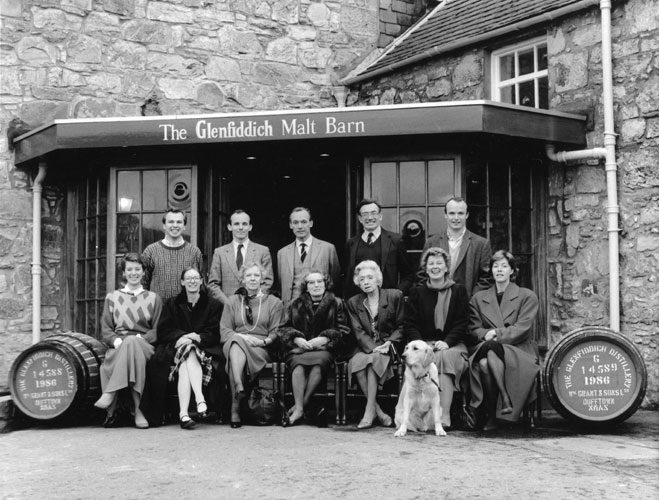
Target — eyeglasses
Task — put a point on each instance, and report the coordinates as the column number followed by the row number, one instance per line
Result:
column 373, row 213
column 193, row 280
column 315, row 282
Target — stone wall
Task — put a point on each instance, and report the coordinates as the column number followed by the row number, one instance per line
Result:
column 396, row 16
column 91, row 58
column 577, row 261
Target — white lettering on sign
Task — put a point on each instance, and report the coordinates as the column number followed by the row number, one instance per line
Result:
column 295, row 127
column 232, row 130
column 334, row 126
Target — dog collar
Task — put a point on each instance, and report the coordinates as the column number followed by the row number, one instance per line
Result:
column 428, row 375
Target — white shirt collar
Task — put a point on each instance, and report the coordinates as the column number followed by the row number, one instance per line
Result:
column 376, row 233
column 456, row 238
column 133, row 292
column 307, row 242
column 244, row 244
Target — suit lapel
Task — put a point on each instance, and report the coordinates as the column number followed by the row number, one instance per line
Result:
column 314, row 252
column 364, row 315
column 466, row 241
column 385, row 245
column 290, row 258
column 509, row 302
column 382, row 310
column 231, row 260
column 491, row 309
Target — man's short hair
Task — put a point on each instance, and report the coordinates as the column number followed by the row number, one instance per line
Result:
column 457, row 199
column 175, row 211
column 238, row 211
column 300, row 209
column 368, row 201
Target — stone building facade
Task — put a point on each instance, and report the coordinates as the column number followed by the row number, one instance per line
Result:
column 105, row 58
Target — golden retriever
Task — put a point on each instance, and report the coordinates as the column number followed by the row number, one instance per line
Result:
column 418, row 404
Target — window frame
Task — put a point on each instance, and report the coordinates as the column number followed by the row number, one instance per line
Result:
column 497, row 84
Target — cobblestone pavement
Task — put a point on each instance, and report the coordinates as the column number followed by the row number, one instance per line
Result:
column 554, row 461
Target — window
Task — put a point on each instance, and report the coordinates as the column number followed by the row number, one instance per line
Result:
column 90, row 254
column 139, row 199
column 413, row 194
column 519, row 74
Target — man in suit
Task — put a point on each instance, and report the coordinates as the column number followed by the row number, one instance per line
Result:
column 224, row 277
column 296, row 259
column 387, row 249
column 470, row 253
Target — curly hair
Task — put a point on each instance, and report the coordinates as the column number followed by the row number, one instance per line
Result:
column 326, row 278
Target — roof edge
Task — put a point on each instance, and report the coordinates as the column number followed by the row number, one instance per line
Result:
column 466, row 41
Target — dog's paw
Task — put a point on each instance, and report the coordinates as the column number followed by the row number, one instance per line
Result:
column 400, row 432
column 440, row 432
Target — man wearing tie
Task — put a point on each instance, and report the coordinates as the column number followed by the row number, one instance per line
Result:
column 470, row 253
column 296, row 259
column 224, row 277
column 387, row 249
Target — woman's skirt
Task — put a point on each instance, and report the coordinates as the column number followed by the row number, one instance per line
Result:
column 323, row 359
column 126, row 366
column 205, row 361
column 257, row 357
column 519, row 375
column 452, row 361
column 381, row 364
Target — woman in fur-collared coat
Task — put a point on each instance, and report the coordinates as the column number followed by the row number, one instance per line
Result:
column 503, row 367
column 315, row 324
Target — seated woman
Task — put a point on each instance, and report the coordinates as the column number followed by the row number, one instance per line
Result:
column 188, row 339
column 128, row 326
column 248, row 327
column 316, row 322
column 436, row 311
column 505, row 362
column 376, row 318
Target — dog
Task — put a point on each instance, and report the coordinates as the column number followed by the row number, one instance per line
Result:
column 418, row 404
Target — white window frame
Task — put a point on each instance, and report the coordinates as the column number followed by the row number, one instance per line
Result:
column 498, row 84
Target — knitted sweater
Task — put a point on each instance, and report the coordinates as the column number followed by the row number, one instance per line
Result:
column 164, row 266
column 127, row 314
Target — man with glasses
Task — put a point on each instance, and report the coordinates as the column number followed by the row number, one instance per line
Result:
column 387, row 249
column 470, row 254
column 224, row 277
column 166, row 259
column 296, row 259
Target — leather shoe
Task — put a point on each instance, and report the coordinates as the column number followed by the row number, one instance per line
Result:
column 186, row 422
column 364, row 424
column 236, row 424
column 321, row 418
column 112, row 421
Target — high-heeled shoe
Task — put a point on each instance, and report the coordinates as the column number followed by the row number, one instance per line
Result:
column 235, row 424
column 202, row 411
column 106, row 400
column 186, row 422
column 364, row 424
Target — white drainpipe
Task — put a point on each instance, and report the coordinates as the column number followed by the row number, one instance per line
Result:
column 37, row 188
column 609, row 153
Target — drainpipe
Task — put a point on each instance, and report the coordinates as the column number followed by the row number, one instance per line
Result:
column 609, row 154
column 37, row 189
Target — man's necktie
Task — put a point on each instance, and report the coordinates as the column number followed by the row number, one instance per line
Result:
column 303, row 251
column 369, row 239
column 239, row 256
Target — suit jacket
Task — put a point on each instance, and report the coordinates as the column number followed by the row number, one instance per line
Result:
column 394, row 263
column 225, row 276
column 420, row 316
column 512, row 320
column 322, row 256
column 390, row 320
column 473, row 266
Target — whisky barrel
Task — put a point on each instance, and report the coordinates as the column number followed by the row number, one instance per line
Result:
column 57, row 377
column 595, row 376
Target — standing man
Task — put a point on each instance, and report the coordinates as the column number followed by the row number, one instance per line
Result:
column 379, row 245
column 295, row 260
column 224, row 277
column 470, row 253
column 166, row 259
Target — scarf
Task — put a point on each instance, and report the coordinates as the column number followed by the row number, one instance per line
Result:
column 249, row 317
column 443, row 299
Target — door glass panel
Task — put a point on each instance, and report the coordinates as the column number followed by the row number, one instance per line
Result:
column 476, row 185
column 498, row 181
column 525, row 274
column 436, row 221
column 102, row 236
column 477, row 220
column 151, row 229
column 383, row 182
column 90, row 327
column 520, row 185
column 128, row 239
column 499, row 229
column 441, row 180
column 102, row 277
column 414, row 215
column 153, row 190
column 128, row 191
column 389, row 219
column 93, row 201
column 179, row 187
column 91, row 280
column 526, row 63
column 412, row 182
column 521, row 220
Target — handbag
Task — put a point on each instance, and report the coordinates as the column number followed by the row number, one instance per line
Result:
column 264, row 407
column 463, row 416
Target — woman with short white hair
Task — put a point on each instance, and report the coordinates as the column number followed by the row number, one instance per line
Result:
column 376, row 318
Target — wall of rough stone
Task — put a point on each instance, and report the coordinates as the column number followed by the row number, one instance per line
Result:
column 90, row 58
column 577, row 220
column 396, row 16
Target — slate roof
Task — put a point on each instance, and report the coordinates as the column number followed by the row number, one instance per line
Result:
column 455, row 20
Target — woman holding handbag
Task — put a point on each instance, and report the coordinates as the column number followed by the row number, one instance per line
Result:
column 376, row 318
